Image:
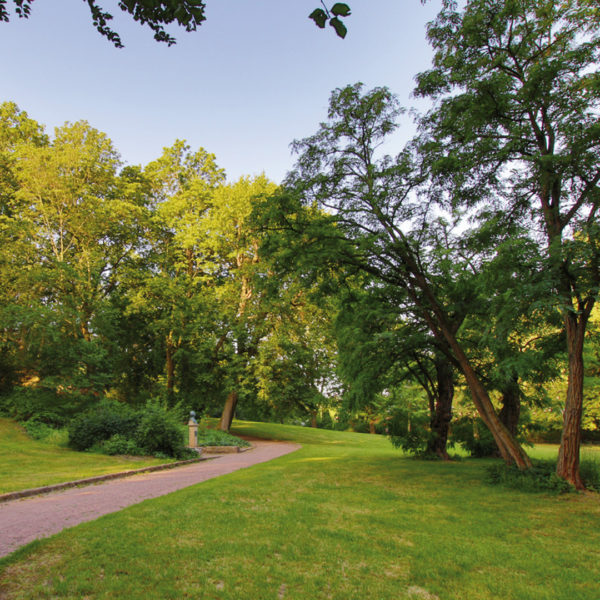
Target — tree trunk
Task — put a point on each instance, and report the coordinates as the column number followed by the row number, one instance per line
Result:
column 228, row 412
column 510, row 450
column 511, row 405
column 442, row 414
column 372, row 427
column 570, row 441
column 313, row 419
column 170, row 369
column 437, row 320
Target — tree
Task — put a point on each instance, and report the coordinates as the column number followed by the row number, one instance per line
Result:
column 382, row 347
column 379, row 224
column 515, row 135
column 72, row 227
column 189, row 14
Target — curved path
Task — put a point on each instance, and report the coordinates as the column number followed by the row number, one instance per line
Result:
column 22, row 521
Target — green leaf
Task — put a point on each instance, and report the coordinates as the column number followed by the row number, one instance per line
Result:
column 339, row 27
column 319, row 17
column 340, row 10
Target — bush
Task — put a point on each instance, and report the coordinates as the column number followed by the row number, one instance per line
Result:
column 475, row 437
column 119, row 444
column 159, row 431
column 37, row 429
column 94, row 426
column 40, row 404
column 590, row 473
column 540, row 478
column 410, row 431
column 216, row 437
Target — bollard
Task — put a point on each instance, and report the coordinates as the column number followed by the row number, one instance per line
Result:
column 192, row 431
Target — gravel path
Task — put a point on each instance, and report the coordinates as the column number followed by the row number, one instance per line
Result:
column 22, row 521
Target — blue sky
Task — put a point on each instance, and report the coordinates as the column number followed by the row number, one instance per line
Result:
column 256, row 75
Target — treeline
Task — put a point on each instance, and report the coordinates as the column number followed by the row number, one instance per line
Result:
column 145, row 283
column 468, row 260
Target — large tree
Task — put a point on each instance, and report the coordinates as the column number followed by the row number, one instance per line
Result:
column 515, row 135
column 381, row 228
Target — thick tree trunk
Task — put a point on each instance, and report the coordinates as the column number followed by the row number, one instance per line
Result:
column 442, row 414
column 228, row 411
column 511, row 405
column 313, row 419
column 570, row 441
column 509, row 448
column 372, row 427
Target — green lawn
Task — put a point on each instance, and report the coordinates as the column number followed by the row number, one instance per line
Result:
column 26, row 463
column 346, row 517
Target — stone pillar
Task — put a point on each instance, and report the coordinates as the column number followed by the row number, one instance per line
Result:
column 192, row 431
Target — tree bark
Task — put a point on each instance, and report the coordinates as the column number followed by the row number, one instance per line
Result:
column 442, row 414
column 228, row 412
column 568, row 455
column 509, row 448
column 437, row 320
column 511, row 405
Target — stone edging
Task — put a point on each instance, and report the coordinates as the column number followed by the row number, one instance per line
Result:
column 98, row 479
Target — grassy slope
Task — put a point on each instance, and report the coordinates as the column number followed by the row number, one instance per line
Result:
column 345, row 517
column 26, row 463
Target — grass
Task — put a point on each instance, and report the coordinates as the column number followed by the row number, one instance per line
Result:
column 27, row 463
column 345, row 517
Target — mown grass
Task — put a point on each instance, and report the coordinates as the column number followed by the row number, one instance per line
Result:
column 26, row 463
column 345, row 517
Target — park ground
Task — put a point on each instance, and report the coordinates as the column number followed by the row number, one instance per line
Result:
column 346, row 516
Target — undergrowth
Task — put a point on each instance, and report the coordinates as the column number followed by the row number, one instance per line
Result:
column 542, row 477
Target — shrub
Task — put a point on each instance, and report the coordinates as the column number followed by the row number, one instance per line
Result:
column 159, row 431
column 216, row 437
column 475, row 437
column 409, row 430
column 590, row 473
column 540, row 478
column 119, row 444
column 37, row 429
column 41, row 404
column 96, row 425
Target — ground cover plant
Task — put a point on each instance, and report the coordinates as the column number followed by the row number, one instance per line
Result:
column 346, row 516
column 28, row 463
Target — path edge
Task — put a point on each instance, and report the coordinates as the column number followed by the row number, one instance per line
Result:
column 98, row 479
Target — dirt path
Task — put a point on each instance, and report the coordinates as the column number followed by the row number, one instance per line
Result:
column 22, row 521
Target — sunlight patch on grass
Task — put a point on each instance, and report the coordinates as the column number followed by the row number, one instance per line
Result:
column 26, row 463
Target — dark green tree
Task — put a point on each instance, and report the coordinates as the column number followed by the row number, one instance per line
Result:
column 515, row 134
column 381, row 226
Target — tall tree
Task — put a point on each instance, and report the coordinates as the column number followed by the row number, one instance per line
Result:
column 380, row 227
column 515, row 135
column 79, row 224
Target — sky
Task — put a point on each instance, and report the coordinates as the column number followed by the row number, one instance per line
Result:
column 255, row 76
